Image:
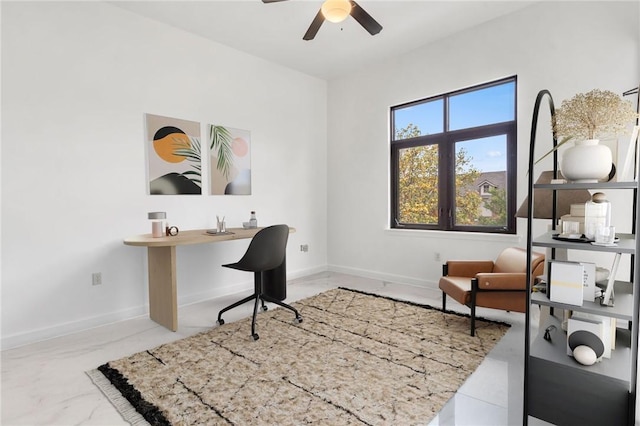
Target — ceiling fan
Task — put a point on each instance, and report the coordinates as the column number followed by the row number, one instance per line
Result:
column 338, row 11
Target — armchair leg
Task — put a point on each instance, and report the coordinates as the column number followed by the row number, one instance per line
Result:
column 474, row 288
column 444, row 301
column 473, row 319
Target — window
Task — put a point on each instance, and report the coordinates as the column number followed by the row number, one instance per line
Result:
column 453, row 160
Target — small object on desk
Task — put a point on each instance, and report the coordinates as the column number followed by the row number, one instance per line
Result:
column 253, row 221
column 216, row 232
column 246, row 225
column 222, row 227
column 172, row 231
column 157, row 223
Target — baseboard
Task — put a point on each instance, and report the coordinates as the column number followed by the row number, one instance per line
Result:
column 22, row 339
column 400, row 279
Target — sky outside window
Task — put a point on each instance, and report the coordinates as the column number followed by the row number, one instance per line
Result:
column 495, row 104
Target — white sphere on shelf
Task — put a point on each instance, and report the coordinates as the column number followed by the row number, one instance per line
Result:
column 584, row 355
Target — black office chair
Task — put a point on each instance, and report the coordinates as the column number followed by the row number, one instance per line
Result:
column 266, row 258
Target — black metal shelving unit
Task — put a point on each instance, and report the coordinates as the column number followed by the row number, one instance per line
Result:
column 557, row 389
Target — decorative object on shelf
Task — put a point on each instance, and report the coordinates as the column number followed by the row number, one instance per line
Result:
column 597, row 214
column 574, row 218
column 608, row 298
column 586, row 161
column 586, row 118
column 632, row 160
column 586, row 333
column 543, row 200
column 627, row 172
column 157, row 223
column 605, row 236
column 606, row 330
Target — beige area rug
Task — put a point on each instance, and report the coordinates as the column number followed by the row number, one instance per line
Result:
column 356, row 358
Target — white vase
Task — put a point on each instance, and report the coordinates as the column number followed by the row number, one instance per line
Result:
column 586, row 161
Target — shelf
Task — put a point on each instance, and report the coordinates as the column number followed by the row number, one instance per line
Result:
column 617, row 367
column 598, row 185
column 626, row 245
column 623, row 308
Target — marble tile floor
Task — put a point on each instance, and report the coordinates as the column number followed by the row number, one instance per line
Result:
column 45, row 383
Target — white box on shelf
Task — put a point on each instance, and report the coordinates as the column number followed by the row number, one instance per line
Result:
column 566, row 283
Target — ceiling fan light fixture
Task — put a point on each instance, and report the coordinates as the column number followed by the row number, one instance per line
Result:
column 336, row 10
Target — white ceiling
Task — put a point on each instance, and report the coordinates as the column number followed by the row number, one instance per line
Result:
column 274, row 31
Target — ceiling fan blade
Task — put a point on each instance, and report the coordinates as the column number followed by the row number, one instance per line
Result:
column 314, row 27
column 364, row 19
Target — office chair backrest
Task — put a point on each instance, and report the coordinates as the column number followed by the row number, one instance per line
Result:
column 267, row 249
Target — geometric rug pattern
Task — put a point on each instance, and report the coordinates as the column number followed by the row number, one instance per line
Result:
column 356, row 358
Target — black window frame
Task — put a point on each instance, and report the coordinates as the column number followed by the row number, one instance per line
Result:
column 446, row 162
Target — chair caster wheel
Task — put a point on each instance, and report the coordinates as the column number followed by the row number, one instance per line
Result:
column 220, row 321
column 264, row 308
column 298, row 320
column 255, row 336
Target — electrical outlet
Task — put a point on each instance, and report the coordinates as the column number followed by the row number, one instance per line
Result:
column 436, row 256
column 96, row 278
column 304, row 248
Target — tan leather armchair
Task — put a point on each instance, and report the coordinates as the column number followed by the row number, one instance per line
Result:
column 499, row 284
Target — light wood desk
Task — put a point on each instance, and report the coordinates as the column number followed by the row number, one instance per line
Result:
column 163, row 299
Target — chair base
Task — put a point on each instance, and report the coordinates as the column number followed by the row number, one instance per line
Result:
column 259, row 298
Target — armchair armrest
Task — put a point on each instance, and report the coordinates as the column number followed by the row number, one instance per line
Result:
column 502, row 281
column 468, row 268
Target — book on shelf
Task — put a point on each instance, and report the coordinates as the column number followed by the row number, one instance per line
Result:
column 589, row 284
column 566, row 284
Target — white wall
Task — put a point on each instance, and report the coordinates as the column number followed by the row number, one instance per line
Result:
column 566, row 47
column 77, row 78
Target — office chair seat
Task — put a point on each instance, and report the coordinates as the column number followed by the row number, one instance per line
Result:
column 266, row 258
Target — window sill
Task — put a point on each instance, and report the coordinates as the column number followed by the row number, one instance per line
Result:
column 449, row 235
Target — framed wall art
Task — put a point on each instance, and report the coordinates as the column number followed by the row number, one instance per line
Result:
column 174, row 156
column 229, row 160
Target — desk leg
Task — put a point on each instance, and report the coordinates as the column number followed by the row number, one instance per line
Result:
column 163, row 304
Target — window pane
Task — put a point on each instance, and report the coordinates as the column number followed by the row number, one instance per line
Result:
column 494, row 104
column 481, row 182
column 418, row 185
column 418, row 120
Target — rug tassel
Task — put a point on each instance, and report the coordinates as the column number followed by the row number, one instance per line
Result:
column 124, row 407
